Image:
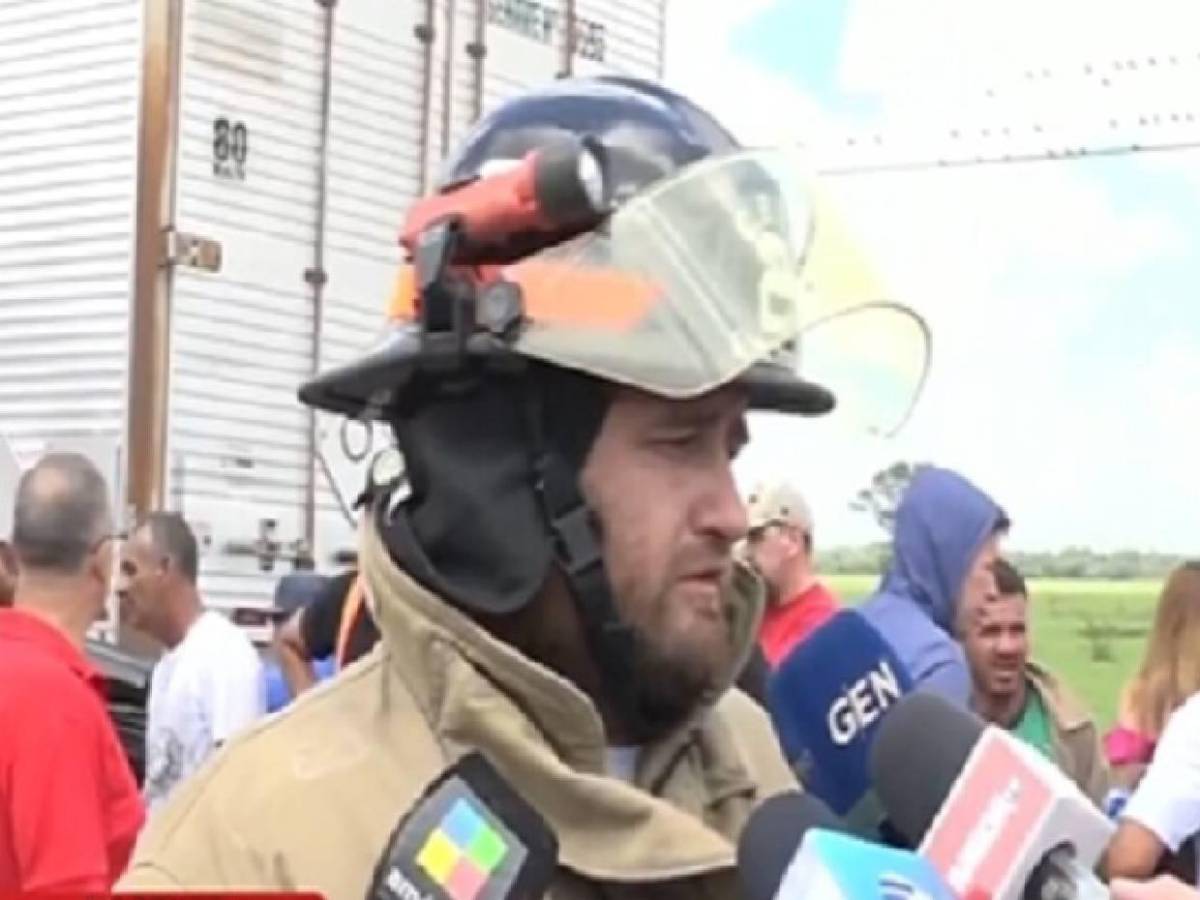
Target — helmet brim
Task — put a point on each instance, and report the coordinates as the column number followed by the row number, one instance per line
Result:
column 362, row 389
column 366, row 387
column 774, row 388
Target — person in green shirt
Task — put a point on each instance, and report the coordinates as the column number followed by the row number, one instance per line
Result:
column 1013, row 692
column 1033, row 726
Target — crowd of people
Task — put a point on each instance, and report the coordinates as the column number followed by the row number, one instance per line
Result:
column 957, row 613
column 562, row 576
column 950, row 585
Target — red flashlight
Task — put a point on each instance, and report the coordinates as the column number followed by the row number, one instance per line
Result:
column 559, row 188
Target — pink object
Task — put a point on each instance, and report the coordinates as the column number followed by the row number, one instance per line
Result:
column 1125, row 746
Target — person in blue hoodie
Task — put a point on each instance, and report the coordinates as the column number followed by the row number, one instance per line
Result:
column 946, row 540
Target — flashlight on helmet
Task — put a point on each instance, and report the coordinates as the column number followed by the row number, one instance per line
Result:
column 557, row 189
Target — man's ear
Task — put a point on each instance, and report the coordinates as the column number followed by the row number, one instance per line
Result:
column 97, row 569
column 961, row 623
column 8, row 559
column 8, row 573
column 797, row 537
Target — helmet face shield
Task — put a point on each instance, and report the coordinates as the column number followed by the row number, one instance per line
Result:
column 876, row 357
column 687, row 285
column 694, row 283
column 733, row 262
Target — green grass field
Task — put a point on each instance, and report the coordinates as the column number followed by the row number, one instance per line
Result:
column 1089, row 632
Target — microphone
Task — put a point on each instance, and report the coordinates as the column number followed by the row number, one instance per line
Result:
column 469, row 837
column 827, row 699
column 793, row 847
column 771, row 837
column 998, row 821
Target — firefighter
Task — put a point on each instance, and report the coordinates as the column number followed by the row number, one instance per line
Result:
column 602, row 289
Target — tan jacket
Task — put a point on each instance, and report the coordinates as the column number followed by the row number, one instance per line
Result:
column 1077, row 748
column 308, row 798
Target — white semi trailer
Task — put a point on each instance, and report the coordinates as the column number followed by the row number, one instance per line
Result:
column 199, row 208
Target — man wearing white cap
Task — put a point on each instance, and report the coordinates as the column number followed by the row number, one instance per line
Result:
column 779, row 547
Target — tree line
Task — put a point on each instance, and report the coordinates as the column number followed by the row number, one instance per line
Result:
column 1070, row 562
column 880, row 497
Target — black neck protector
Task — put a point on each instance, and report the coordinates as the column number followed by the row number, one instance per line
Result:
column 493, row 466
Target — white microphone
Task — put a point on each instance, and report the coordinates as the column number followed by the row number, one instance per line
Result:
column 835, row 866
column 998, row 821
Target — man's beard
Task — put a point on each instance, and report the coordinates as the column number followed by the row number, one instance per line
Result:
column 668, row 688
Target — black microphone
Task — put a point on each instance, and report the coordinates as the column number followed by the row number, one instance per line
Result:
column 469, row 837
column 918, row 757
column 771, row 836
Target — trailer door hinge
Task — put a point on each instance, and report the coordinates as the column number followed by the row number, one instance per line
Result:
column 191, row 251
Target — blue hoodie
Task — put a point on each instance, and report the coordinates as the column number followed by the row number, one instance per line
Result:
column 941, row 524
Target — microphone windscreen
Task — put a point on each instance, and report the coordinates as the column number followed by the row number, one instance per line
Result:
column 920, row 750
column 827, row 698
column 772, row 836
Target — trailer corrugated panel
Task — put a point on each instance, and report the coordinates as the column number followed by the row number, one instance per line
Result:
column 69, row 73
column 375, row 124
column 405, row 82
column 242, row 337
column 444, row 72
column 376, row 136
column 524, row 47
column 624, row 36
column 409, row 79
column 527, row 40
column 470, row 57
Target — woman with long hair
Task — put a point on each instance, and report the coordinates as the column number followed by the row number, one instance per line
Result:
column 1154, row 750
column 1168, row 675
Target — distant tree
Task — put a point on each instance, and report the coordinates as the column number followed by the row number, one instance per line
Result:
column 869, row 559
column 882, row 496
column 1067, row 562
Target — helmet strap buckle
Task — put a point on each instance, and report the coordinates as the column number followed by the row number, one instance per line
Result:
column 578, row 553
column 575, row 538
column 447, row 301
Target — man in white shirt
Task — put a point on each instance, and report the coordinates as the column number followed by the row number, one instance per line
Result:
column 210, row 682
column 1163, row 815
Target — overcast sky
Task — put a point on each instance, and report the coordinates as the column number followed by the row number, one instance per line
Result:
column 1065, row 373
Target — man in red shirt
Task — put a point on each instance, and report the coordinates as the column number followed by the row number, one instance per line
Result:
column 69, row 806
column 779, row 547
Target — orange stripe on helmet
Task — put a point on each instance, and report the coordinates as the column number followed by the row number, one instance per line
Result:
column 575, row 296
column 403, row 304
column 556, row 294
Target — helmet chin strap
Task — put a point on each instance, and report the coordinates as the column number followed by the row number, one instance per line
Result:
column 495, row 502
column 577, row 551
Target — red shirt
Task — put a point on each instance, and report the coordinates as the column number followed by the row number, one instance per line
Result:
column 787, row 624
column 69, row 805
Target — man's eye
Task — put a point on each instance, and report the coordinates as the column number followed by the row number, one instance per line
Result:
column 678, row 439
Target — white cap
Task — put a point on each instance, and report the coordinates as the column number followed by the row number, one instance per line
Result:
column 778, row 501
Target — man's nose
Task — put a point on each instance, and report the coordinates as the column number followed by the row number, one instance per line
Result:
column 723, row 513
column 1009, row 645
